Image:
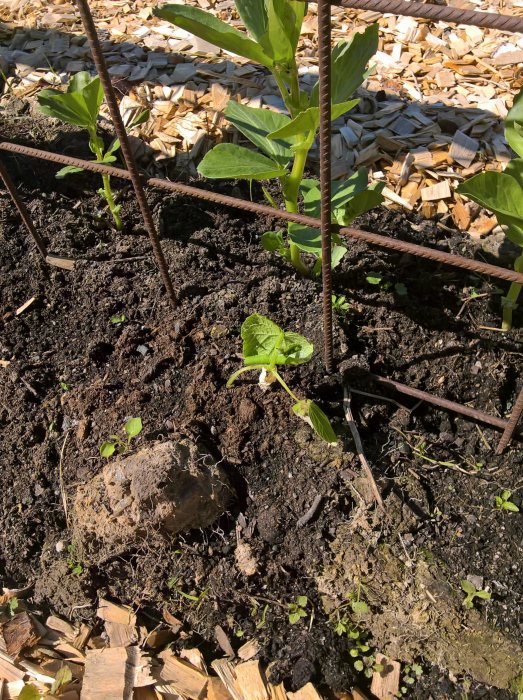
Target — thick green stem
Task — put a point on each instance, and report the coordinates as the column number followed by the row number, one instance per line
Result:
column 291, row 188
column 510, row 301
column 108, row 194
column 284, row 385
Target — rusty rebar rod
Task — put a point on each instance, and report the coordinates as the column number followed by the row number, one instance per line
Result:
column 266, row 210
column 22, row 210
column 134, row 176
column 437, row 13
column 324, row 55
column 474, row 413
column 511, row 424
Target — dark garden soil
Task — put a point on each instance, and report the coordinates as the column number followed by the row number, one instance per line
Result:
column 74, row 374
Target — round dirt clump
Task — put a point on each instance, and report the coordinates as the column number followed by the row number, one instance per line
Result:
column 164, row 489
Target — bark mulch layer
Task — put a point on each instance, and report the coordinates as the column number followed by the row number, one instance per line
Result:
column 70, row 373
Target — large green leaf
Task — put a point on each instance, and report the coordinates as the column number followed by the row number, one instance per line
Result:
column 264, row 342
column 359, row 204
column 309, row 120
column 514, row 125
column 501, row 194
column 207, row 27
column 306, row 238
column 256, row 124
column 515, row 169
column 230, row 161
column 349, row 64
column 69, row 107
column 254, row 16
column 312, row 414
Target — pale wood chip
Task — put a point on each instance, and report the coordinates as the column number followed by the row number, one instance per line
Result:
column 439, row 191
column 385, row 684
column 463, row 149
column 105, row 675
column 308, row 692
column 249, row 650
column 188, row 680
column 251, row 683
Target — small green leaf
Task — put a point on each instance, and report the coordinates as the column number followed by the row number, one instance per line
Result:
column 302, row 601
column 272, row 241
column 512, row 507
column 117, row 319
column 294, row 617
column 359, row 607
column 207, row 27
column 227, row 160
column 467, row 587
column 140, row 118
column 358, row 665
column 308, row 121
column 64, row 386
column 264, row 338
column 306, row 238
column 107, row 449
column 485, row 595
column 29, row 692
column 133, row 427
column 68, row 170
column 372, row 279
column 354, row 652
column 321, row 424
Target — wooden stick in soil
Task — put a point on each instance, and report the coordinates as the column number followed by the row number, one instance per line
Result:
column 359, row 447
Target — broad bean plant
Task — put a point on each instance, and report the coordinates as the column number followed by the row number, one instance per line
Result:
column 79, row 105
column 284, row 140
column 502, row 193
column 266, row 347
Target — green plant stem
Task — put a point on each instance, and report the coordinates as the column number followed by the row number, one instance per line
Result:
column 291, row 188
column 510, row 301
column 235, row 376
column 108, row 194
column 284, row 385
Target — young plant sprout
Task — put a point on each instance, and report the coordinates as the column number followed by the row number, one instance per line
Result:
column 284, row 140
column 265, row 347
column 80, row 106
column 132, row 428
column 502, row 193
column 472, row 592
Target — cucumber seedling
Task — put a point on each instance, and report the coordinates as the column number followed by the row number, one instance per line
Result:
column 80, row 106
column 284, row 140
column 502, row 193
column 265, row 347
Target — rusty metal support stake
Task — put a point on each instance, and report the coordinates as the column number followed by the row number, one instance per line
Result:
column 22, row 210
column 324, row 54
column 512, row 424
column 101, row 67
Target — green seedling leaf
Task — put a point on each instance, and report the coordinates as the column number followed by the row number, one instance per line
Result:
column 256, row 124
column 107, row 449
column 358, row 665
column 294, row 617
column 302, row 601
column 29, row 692
column 349, row 61
column 501, row 194
column 207, row 27
column 512, row 507
column 372, row 279
column 133, row 427
column 337, row 253
column 514, row 125
column 467, row 587
column 359, row 204
column 64, row 386
column 484, row 595
column 227, row 160
column 140, row 118
column 79, row 106
column 306, row 238
column 264, row 342
column 62, row 678
column 308, row 121
column 273, row 241
column 359, row 607
column 117, row 319
column 68, row 170
column 321, row 424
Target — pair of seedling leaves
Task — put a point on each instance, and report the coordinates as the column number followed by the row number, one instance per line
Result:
column 265, row 347
column 275, row 27
column 502, row 193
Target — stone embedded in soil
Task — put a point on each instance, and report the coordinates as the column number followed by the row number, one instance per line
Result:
column 165, row 489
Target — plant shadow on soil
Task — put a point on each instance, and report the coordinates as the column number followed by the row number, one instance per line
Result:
column 170, row 368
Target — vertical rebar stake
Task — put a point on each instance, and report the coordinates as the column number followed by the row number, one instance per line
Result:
column 22, row 210
column 110, row 96
column 324, row 52
column 512, row 424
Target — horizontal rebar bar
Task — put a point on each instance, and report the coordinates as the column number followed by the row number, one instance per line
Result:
column 265, row 210
column 437, row 13
column 473, row 413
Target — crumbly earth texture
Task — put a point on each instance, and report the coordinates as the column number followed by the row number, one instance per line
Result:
column 75, row 377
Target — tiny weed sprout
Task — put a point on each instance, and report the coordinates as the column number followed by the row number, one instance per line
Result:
column 265, row 346
column 340, row 304
column 132, row 428
column 503, row 502
column 472, row 592
column 74, row 566
column 284, row 140
column 12, row 606
column 80, row 106
column 118, row 319
column 385, row 285
column 502, row 193
column 297, row 610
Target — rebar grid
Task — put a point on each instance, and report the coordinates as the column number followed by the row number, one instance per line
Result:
column 511, row 424
column 436, row 13
column 266, row 210
column 324, row 54
column 112, row 103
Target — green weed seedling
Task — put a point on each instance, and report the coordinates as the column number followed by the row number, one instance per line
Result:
column 80, row 106
column 284, row 140
column 132, row 428
column 118, row 319
column 265, row 347
column 411, row 674
column 385, row 285
column 340, row 304
column 73, row 564
column 472, row 593
column 502, row 193
column 195, row 599
column 297, row 610
column 503, row 502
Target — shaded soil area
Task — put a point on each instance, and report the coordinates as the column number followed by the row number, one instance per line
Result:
column 75, row 377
